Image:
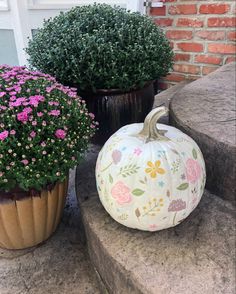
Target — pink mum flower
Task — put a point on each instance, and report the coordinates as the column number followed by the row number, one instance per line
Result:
column 54, row 112
column 32, row 134
column 60, row 134
column 4, row 135
column 22, row 116
column 12, row 132
column 25, row 161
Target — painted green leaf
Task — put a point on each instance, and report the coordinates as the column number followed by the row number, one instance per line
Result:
column 137, row 192
column 194, row 153
column 110, row 179
column 183, row 186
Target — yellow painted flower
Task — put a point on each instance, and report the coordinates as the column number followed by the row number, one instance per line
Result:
column 154, row 169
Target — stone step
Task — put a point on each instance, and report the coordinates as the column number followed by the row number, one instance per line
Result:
column 205, row 110
column 60, row 265
column 197, row 256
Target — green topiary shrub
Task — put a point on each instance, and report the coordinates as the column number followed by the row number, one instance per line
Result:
column 101, row 47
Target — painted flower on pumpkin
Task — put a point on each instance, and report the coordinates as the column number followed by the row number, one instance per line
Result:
column 116, row 156
column 154, row 169
column 177, row 205
column 193, row 170
column 121, row 193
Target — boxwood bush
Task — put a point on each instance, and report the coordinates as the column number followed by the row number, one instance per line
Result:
column 101, row 47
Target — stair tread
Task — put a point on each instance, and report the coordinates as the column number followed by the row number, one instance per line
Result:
column 196, row 256
column 205, row 110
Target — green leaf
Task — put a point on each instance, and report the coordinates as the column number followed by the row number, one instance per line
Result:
column 137, row 192
column 183, row 186
column 110, row 179
column 194, row 153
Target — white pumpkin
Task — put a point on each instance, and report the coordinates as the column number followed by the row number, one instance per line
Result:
column 150, row 176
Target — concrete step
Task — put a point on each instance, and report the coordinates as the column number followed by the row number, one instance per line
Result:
column 205, row 110
column 60, row 265
column 197, row 256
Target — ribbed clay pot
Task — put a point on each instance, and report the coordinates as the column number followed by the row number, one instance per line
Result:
column 29, row 221
column 114, row 109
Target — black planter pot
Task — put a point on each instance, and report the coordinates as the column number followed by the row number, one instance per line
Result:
column 113, row 109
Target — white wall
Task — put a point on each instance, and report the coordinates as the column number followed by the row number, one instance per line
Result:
column 19, row 17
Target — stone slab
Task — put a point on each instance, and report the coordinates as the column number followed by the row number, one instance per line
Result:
column 60, row 265
column 197, row 256
column 205, row 110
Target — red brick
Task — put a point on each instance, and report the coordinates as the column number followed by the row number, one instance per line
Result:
column 231, row 36
column 221, row 22
column 181, row 57
column 158, row 11
column 182, row 9
column 163, row 22
column 187, row 68
column 208, row 69
column 222, row 48
column 214, row 8
column 190, row 22
column 211, row 35
column 174, row 77
column 179, row 35
column 230, row 59
column 208, row 59
column 190, row 47
column 162, row 85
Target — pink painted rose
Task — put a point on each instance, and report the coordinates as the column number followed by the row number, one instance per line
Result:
column 193, row 170
column 116, row 156
column 121, row 193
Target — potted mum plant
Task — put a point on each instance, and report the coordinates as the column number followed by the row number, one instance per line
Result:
column 44, row 130
column 111, row 55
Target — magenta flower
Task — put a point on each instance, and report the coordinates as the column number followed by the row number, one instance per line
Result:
column 25, row 161
column 4, row 135
column 60, row 134
column 2, row 94
column 22, row 116
column 32, row 134
column 54, row 112
column 12, row 132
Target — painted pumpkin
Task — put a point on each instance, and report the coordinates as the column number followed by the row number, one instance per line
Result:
column 150, row 176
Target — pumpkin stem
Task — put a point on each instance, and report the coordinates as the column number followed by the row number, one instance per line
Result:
column 150, row 131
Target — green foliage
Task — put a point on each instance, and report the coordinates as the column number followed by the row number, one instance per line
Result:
column 100, row 47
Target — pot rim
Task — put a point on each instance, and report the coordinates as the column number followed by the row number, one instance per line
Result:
column 117, row 91
column 19, row 194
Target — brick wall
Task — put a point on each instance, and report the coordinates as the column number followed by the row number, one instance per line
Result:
column 202, row 34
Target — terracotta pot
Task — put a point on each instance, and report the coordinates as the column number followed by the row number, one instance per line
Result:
column 114, row 109
column 29, row 221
